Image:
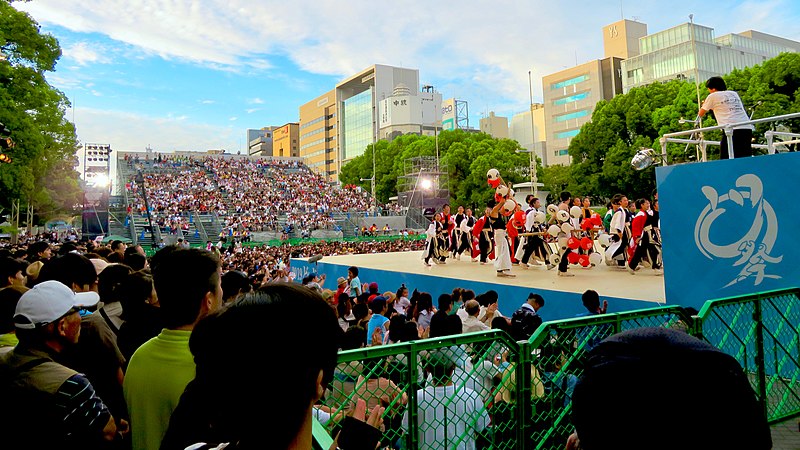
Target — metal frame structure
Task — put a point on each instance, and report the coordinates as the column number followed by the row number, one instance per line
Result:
column 462, row 115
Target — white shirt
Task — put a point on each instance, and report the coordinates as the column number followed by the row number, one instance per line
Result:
column 401, row 306
column 618, row 221
column 452, row 424
column 472, row 325
column 728, row 108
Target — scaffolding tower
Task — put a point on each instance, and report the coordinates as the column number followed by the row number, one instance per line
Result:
column 423, row 189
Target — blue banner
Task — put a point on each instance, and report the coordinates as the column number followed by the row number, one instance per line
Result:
column 729, row 227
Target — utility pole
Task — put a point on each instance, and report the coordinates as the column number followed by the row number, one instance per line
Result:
column 534, row 177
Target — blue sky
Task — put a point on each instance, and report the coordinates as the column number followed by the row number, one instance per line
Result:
column 193, row 75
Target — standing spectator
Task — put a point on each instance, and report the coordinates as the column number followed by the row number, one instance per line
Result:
column 140, row 311
column 378, row 323
column 401, row 302
column 728, row 108
column 423, row 311
column 187, row 282
column 354, row 281
column 39, row 251
column 12, row 273
column 471, row 324
column 9, row 297
column 45, row 400
column 526, row 319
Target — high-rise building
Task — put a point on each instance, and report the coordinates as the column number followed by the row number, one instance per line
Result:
column 285, row 140
column 690, row 51
column 571, row 94
column 530, row 132
column 318, row 140
column 494, row 126
column 341, row 124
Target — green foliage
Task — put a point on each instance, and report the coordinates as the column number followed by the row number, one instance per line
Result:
column 468, row 157
column 602, row 151
column 42, row 171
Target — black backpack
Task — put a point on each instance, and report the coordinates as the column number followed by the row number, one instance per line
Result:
column 524, row 323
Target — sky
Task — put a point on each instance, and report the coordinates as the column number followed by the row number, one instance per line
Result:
column 195, row 74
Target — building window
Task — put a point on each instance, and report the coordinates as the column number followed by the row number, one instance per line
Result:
column 567, row 134
column 570, row 82
column 573, row 115
column 571, row 98
column 563, row 152
column 357, row 124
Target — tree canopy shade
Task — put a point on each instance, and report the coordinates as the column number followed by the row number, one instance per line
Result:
column 468, row 157
column 44, row 159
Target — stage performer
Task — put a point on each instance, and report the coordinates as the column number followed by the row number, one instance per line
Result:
column 619, row 230
column 498, row 221
column 447, row 220
column 642, row 243
column 535, row 245
column 483, row 231
column 464, row 232
column 437, row 241
column 455, row 233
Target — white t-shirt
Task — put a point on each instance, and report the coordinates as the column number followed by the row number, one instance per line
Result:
column 618, row 221
column 728, row 108
column 452, row 424
column 401, row 306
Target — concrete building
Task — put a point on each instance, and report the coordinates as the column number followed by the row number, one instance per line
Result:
column 571, row 94
column 259, row 141
column 690, row 51
column 494, row 126
column 339, row 125
column 318, row 140
column 530, row 132
column 285, row 140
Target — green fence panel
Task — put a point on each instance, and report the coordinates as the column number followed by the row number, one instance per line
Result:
column 761, row 332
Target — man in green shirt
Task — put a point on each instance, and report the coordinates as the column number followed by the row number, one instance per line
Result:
column 187, row 282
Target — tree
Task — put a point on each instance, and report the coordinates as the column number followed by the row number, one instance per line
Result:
column 42, row 171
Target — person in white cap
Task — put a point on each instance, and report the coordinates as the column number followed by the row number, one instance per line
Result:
column 35, row 384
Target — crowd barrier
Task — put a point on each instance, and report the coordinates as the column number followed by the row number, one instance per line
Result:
column 517, row 395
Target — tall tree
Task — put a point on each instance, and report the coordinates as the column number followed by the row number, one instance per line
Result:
column 42, row 171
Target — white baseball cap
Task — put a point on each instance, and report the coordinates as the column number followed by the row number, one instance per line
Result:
column 47, row 302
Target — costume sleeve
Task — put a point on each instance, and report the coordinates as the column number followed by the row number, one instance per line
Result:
column 82, row 410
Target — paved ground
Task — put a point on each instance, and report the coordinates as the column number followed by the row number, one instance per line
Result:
column 786, row 435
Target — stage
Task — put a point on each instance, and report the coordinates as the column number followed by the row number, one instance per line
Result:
column 624, row 292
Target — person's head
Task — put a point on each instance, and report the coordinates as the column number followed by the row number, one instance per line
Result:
column 576, row 201
column 353, row 338
column 378, row 305
column 714, row 84
column 469, row 212
column 535, row 203
column 118, row 247
column 39, row 250
column 536, row 301
column 467, row 295
column 373, row 288
column 487, row 298
column 440, row 363
column 188, row 285
column 74, row 270
column 456, row 295
column 47, row 315
column 344, row 298
column 402, row 292
column 619, row 401
column 12, row 272
column 446, row 209
column 110, row 280
column 445, row 303
column 565, row 196
column 591, row 300
column 8, row 304
column 501, row 323
column 529, row 199
column 136, row 292
column 352, row 271
column 341, row 282
column 67, row 247
column 587, row 202
column 360, row 311
column 232, row 405
column 472, row 307
column 234, row 284
column 642, row 204
column 460, row 209
column 424, row 301
column 135, row 261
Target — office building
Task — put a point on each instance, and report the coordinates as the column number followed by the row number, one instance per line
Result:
column 690, row 51
column 408, row 112
column 530, row 131
column 494, row 126
column 571, row 94
column 285, row 140
column 318, row 140
column 259, row 141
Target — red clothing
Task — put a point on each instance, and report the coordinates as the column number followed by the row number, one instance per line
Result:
column 637, row 228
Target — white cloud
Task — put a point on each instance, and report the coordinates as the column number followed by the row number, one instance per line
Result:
column 256, row 101
column 207, row 102
column 252, row 110
column 481, row 52
column 233, row 118
column 163, row 133
column 85, row 53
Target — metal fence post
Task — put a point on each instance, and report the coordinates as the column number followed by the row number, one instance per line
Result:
column 412, row 407
column 760, row 359
column 523, row 396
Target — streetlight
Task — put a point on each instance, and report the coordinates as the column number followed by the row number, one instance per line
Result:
column 534, row 178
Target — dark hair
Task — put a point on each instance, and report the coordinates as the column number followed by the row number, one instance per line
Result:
column 640, row 202
column 487, row 298
column 467, row 295
column 377, row 304
column 135, row 260
column 134, row 291
column 500, row 323
column 353, row 338
column 9, row 268
column 400, row 290
column 456, row 295
column 35, row 248
column 354, row 270
column 234, row 283
column 343, row 308
column 182, row 279
column 230, row 406
column 591, row 300
column 343, row 297
column 530, row 199
column 68, row 269
column 565, row 196
column 716, row 83
column 616, row 199
column 538, row 299
column 360, row 310
column 109, row 281
column 115, row 244
column 396, row 324
column 445, row 302
column 67, row 247
column 9, row 298
column 424, row 303
column 410, row 332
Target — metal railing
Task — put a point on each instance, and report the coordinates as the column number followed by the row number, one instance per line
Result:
column 481, row 399
column 675, row 137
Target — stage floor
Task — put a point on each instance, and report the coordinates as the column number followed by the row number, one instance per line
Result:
column 645, row 286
